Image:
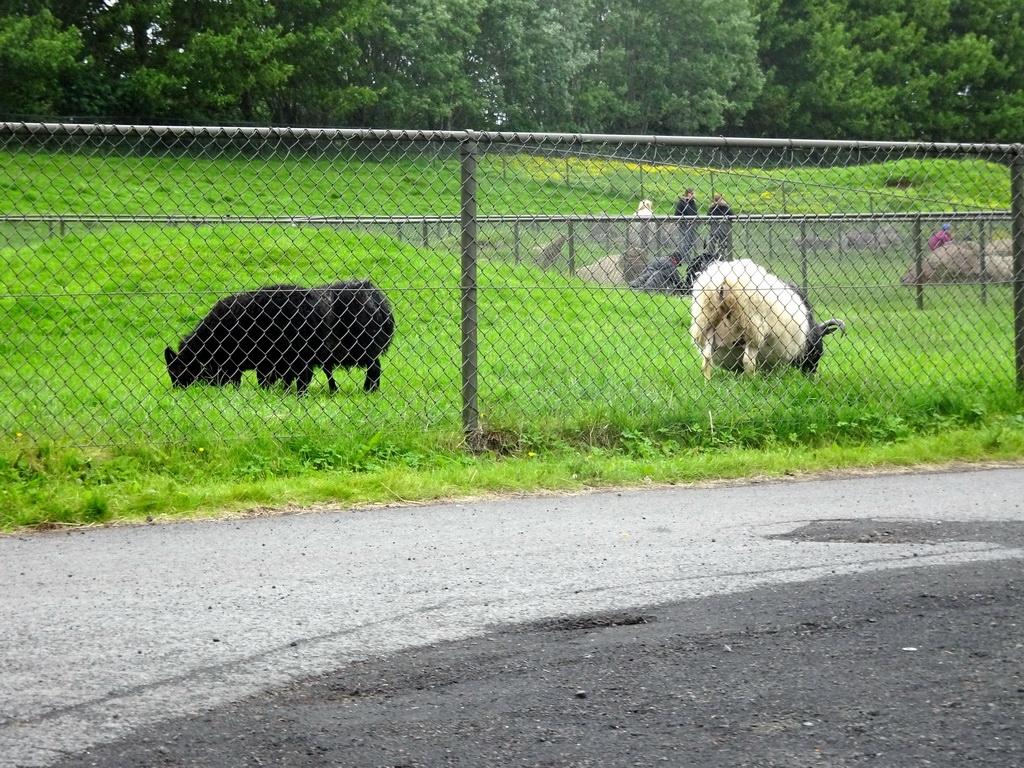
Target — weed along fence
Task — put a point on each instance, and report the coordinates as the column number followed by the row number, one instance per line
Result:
column 521, row 272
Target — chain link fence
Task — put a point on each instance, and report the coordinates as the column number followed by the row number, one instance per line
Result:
column 522, row 272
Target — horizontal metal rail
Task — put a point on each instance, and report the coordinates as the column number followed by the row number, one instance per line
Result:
column 364, row 134
column 995, row 215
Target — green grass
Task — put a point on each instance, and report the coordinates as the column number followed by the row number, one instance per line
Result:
column 580, row 386
column 241, row 181
column 43, row 485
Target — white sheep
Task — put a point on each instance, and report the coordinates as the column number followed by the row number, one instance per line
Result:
column 745, row 318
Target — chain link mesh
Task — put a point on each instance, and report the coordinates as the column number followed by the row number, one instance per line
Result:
column 521, row 271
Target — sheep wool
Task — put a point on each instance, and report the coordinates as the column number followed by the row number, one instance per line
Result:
column 270, row 330
column 283, row 332
column 745, row 318
column 360, row 326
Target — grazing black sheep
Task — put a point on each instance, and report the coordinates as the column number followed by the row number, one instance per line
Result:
column 361, row 326
column 274, row 330
column 283, row 332
column 695, row 267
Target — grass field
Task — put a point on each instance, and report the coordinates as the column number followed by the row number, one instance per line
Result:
column 598, row 384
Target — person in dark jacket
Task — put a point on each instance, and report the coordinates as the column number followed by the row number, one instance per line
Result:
column 661, row 276
column 687, row 206
column 720, row 212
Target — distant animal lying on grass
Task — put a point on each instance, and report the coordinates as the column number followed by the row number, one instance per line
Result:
column 283, row 332
column 617, row 269
column 877, row 238
column 746, row 319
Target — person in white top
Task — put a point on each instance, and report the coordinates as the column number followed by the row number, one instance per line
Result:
column 642, row 235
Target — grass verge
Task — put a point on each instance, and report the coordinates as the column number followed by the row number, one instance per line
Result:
column 48, row 486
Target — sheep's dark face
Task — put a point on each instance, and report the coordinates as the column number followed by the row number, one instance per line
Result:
column 808, row 362
column 815, row 348
column 183, row 372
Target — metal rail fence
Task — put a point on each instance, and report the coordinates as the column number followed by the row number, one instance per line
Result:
column 514, row 265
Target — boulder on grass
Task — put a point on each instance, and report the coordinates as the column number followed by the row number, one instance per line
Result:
column 617, row 270
column 961, row 263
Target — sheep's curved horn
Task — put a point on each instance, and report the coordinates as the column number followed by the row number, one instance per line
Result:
column 831, row 325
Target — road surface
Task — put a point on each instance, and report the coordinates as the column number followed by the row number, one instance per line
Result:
column 822, row 622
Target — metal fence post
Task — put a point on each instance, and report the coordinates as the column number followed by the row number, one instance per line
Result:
column 803, row 254
column 572, row 247
column 918, row 265
column 1017, row 212
column 470, row 392
column 980, row 227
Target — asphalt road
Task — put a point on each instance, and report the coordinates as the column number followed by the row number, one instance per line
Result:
column 866, row 620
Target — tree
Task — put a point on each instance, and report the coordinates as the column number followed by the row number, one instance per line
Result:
column 529, row 59
column 417, row 58
column 670, row 66
column 320, row 45
column 819, row 84
column 980, row 91
column 223, row 60
column 942, row 70
column 213, row 61
column 37, row 59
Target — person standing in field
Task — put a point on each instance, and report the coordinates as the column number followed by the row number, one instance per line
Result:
column 720, row 212
column 687, row 206
column 642, row 233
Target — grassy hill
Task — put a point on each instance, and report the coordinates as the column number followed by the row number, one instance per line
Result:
column 579, row 384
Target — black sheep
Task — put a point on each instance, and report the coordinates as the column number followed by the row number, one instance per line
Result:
column 274, row 330
column 695, row 267
column 361, row 326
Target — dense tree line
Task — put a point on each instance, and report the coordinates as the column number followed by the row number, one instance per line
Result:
column 938, row 70
column 875, row 69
